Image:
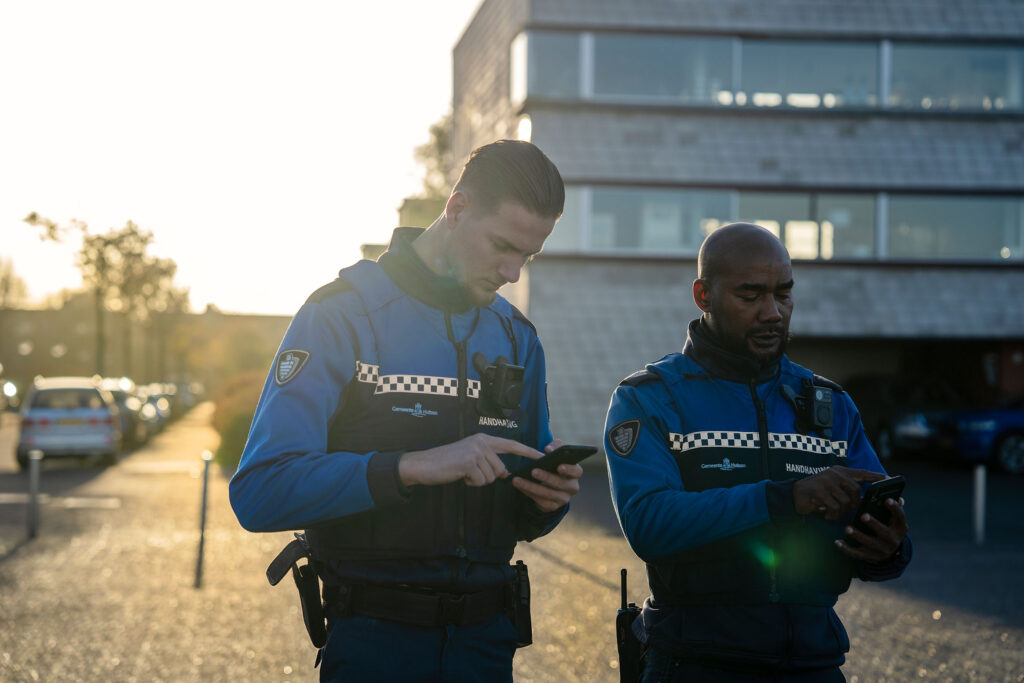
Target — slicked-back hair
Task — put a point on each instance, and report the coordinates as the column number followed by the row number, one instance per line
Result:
column 513, row 170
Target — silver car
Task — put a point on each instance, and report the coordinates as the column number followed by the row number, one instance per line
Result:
column 69, row 416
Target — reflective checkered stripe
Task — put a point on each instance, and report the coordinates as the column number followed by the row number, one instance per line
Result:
column 367, row 373
column 792, row 442
column 687, row 442
column 412, row 384
column 807, row 444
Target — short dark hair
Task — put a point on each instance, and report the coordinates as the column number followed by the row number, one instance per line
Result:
column 513, row 170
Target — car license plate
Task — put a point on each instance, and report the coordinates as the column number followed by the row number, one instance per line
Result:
column 69, row 421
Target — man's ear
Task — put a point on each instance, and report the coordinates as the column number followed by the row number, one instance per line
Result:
column 457, row 204
column 702, row 295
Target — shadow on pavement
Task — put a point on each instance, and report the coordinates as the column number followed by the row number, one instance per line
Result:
column 54, row 478
column 13, row 550
column 58, row 477
column 593, row 504
column 949, row 567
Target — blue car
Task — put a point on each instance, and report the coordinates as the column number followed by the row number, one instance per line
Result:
column 69, row 416
column 991, row 434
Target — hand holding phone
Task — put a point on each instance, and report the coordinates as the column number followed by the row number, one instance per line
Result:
column 873, row 503
column 568, row 454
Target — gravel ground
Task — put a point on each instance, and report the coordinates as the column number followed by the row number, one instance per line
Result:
column 105, row 592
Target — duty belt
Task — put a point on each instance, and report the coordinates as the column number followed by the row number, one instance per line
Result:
column 419, row 607
column 402, row 604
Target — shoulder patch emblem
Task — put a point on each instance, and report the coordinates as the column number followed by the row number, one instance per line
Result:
column 288, row 365
column 623, row 437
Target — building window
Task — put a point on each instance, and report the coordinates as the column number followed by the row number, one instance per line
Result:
column 813, row 226
column 848, row 220
column 568, row 233
column 929, row 227
column 676, row 221
column 787, row 214
column 957, row 77
column 728, row 71
column 655, row 220
column 809, row 74
column 663, row 68
column 545, row 64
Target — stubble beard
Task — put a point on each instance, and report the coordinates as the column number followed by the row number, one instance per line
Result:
column 770, row 357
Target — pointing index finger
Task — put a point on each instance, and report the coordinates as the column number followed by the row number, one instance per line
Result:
column 866, row 475
column 502, row 445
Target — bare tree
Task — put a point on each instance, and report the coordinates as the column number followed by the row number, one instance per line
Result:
column 123, row 277
column 13, row 290
column 436, row 158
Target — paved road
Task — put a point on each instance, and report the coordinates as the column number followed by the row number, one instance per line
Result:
column 105, row 593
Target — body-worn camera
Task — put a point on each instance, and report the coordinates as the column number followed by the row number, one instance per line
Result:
column 813, row 408
column 501, row 385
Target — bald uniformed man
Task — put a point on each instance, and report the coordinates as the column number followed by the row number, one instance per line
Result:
column 729, row 481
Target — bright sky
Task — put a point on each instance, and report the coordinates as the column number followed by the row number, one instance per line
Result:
column 261, row 142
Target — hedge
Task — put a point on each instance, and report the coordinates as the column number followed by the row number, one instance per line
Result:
column 234, row 407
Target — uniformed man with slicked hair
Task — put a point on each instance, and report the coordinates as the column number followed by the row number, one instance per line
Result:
column 373, row 434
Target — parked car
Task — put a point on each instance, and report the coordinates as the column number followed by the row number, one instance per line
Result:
column 990, row 434
column 134, row 430
column 157, row 397
column 69, row 417
column 901, row 414
column 149, row 416
column 191, row 394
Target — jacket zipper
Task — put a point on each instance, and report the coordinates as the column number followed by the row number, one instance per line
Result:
column 762, row 428
column 460, row 431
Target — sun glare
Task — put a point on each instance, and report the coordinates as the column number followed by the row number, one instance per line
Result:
column 261, row 157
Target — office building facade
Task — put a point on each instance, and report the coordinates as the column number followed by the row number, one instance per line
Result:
column 881, row 140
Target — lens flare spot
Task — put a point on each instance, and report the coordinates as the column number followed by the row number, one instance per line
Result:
column 766, row 556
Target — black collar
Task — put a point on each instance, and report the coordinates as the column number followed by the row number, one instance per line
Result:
column 407, row 269
column 704, row 349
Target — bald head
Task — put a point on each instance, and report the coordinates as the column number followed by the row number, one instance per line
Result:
column 743, row 287
column 735, row 244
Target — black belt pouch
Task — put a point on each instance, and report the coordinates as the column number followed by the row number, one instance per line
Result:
column 521, row 606
column 308, row 584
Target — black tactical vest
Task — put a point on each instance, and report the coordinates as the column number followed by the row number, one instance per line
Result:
column 388, row 408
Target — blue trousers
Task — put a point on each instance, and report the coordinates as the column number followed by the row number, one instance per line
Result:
column 367, row 649
column 664, row 668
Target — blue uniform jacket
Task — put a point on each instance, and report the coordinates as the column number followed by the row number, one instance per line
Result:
column 378, row 363
column 703, row 448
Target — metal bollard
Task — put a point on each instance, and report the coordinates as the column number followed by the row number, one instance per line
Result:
column 207, row 458
column 979, row 504
column 35, row 460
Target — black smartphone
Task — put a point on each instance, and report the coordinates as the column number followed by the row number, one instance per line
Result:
column 873, row 502
column 567, row 454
